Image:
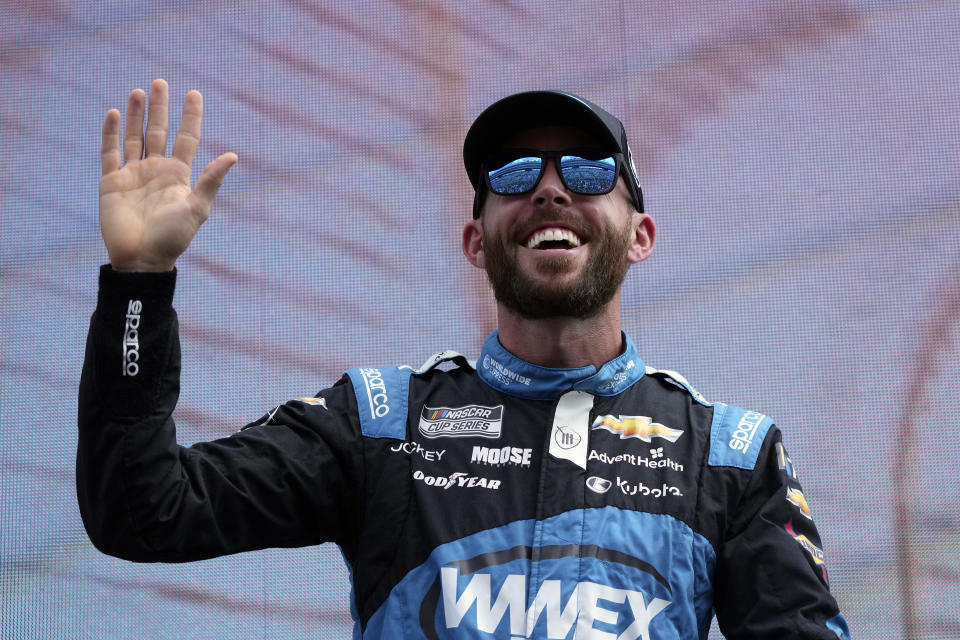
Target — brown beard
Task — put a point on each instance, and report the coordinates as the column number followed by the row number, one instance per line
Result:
column 601, row 278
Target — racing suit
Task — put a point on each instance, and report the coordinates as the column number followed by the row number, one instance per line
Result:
column 500, row 499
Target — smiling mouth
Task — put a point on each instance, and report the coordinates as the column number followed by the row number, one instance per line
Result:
column 553, row 238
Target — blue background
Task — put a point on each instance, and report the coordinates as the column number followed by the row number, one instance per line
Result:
column 801, row 159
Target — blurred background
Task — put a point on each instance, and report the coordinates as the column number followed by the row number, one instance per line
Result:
column 801, row 159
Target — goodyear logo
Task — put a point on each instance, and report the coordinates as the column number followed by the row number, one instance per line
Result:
column 636, row 427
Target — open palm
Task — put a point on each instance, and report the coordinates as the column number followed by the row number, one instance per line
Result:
column 148, row 212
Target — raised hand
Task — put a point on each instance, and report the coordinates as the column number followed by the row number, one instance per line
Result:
column 148, row 212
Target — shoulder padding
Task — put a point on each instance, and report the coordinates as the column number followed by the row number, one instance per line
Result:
column 736, row 436
column 444, row 356
column 678, row 380
column 383, row 395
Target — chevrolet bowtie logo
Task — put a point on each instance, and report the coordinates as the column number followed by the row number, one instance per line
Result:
column 795, row 497
column 636, row 427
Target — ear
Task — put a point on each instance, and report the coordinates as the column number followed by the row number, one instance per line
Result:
column 644, row 237
column 473, row 243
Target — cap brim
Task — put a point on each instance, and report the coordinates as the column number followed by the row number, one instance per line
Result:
column 522, row 111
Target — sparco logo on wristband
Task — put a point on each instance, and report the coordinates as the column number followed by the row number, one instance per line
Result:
column 131, row 339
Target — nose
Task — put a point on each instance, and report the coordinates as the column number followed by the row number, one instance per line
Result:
column 550, row 189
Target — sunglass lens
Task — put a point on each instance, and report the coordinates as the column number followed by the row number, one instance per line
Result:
column 589, row 176
column 513, row 175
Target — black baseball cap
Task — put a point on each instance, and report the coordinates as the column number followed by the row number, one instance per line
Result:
column 531, row 109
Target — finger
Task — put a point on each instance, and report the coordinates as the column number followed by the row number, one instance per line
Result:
column 158, row 124
column 110, row 142
column 188, row 136
column 133, row 129
column 212, row 177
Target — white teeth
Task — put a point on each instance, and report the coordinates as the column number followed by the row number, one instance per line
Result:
column 553, row 235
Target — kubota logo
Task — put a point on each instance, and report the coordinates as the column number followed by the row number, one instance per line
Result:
column 636, row 427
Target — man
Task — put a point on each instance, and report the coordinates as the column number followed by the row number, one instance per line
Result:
column 557, row 488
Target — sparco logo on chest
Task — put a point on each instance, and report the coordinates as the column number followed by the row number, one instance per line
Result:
column 472, row 420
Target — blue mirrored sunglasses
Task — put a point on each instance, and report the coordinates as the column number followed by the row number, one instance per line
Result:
column 584, row 171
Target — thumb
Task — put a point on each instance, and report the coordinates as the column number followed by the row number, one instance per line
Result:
column 212, row 177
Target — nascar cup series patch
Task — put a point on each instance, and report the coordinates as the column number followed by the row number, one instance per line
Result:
column 470, row 421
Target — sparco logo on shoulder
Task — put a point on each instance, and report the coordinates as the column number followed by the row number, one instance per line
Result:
column 746, row 429
column 376, row 392
column 471, row 420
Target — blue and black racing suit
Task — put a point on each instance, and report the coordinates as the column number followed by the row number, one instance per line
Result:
column 493, row 500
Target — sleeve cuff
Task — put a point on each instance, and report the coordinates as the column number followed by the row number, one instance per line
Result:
column 157, row 287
